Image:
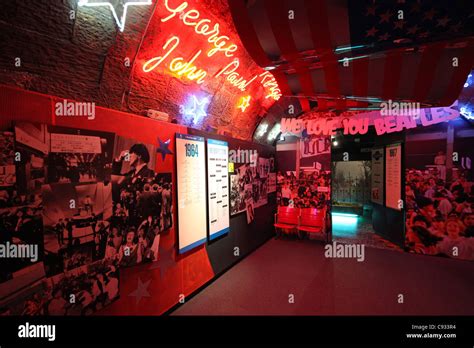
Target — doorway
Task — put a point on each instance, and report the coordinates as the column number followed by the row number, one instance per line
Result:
column 351, row 199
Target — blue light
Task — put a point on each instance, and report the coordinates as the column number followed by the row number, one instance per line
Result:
column 344, row 214
column 195, row 109
column 348, row 48
column 465, row 101
column 346, row 220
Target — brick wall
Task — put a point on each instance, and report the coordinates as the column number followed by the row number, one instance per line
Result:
column 79, row 53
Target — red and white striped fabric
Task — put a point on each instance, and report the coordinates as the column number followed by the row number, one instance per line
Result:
column 302, row 54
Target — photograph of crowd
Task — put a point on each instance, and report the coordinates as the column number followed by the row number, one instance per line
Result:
column 76, row 224
column 142, row 204
column 440, row 214
column 82, row 291
column 249, row 182
column 21, row 226
column 79, row 156
column 7, row 159
column 309, row 190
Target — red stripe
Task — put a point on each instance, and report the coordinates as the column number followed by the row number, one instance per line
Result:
column 360, row 72
column 322, row 104
column 282, row 80
column 304, row 102
column 426, row 71
column 247, row 33
column 393, row 68
column 321, row 36
column 459, row 77
column 278, row 17
column 306, row 82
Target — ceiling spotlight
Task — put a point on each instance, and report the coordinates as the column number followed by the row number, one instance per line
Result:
column 335, row 143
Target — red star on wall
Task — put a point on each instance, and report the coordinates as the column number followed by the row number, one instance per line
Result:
column 371, row 32
column 385, row 17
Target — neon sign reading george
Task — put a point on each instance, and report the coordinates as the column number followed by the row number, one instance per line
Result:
column 220, row 43
column 202, row 28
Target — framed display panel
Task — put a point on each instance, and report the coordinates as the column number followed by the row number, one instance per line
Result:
column 191, row 191
column 377, row 193
column 218, row 187
column 393, row 176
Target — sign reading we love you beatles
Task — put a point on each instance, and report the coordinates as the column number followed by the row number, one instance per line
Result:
column 359, row 124
column 191, row 188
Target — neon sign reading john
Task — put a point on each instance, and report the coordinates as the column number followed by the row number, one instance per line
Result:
column 220, row 43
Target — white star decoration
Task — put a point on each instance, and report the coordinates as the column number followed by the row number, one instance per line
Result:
column 116, row 6
column 197, row 111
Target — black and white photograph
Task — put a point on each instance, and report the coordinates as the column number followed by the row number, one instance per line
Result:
column 142, row 204
column 82, row 291
column 21, row 247
column 7, row 159
column 76, row 224
column 32, row 147
column 79, row 156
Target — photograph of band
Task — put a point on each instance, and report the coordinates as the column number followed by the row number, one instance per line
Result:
column 82, row 291
column 76, row 224
column 142, row 204
column 79, row 156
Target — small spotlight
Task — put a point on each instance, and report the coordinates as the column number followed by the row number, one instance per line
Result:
column 335, row 143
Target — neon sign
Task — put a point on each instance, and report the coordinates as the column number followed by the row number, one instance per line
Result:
column 177, row 65
column 115, row 9
column 195, row 109
column 220, row 43
column 244, row 103
column 202, row 28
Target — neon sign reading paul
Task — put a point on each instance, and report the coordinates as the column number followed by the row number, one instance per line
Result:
column 220, row 43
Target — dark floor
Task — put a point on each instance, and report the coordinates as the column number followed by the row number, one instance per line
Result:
column 262, row 283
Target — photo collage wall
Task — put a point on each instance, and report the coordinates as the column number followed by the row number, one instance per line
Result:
column 77, row 205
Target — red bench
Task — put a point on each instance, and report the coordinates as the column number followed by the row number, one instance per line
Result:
column 286, row 218
column 312, row 221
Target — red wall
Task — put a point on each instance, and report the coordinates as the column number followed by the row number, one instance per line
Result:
column 174, row 275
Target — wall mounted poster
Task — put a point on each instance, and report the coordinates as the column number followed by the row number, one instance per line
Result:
column 393, row 176
column 377, row 175
column 191, row 179
column 218, row 187
column 272, row 182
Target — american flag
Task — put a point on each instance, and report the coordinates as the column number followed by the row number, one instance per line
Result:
column 409, row 21
column 348, row 53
